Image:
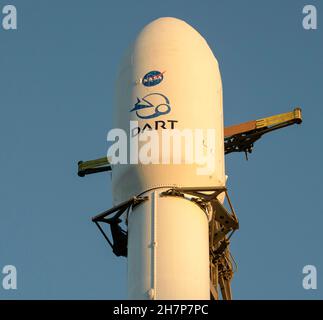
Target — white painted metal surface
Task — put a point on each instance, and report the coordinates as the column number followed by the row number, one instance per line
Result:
column 168, row 250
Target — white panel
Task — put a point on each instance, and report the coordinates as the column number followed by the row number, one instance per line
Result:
column 168, row 250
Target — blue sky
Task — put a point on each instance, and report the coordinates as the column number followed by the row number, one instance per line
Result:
column 57, row 73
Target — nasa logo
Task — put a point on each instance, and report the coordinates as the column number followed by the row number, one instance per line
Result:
column 153, row 78
column 144, row 104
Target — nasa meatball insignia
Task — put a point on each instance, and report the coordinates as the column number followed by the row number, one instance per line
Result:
column 152, row 78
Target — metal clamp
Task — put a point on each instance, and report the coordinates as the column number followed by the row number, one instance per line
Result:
column 119, row 235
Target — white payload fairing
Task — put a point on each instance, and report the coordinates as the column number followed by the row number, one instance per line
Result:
column 171, row 193
column 190, row 90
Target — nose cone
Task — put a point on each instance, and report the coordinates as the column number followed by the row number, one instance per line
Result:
column 167, row 35
column 168, row 28
column 169, row 80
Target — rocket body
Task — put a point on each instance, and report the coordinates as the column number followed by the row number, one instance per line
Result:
column 169, row 80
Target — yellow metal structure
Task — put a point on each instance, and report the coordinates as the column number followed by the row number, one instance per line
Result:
column 241, row 137
column 294, row 116
column 93, row 166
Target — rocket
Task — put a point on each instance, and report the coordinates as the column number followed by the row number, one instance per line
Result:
column 168, row 216
column 168, row 249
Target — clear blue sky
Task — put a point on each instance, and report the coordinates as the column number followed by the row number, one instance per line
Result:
column 57, row 76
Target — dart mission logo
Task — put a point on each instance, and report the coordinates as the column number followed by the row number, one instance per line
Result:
column 151, row 106
column 153, row 78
